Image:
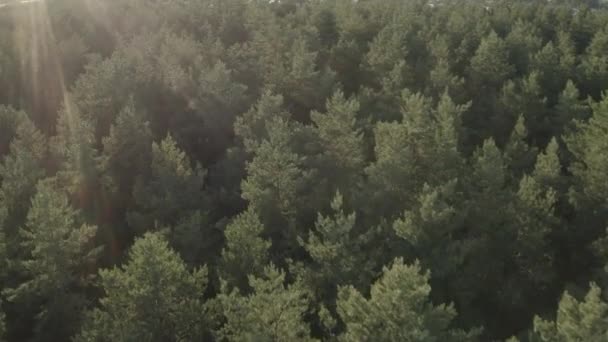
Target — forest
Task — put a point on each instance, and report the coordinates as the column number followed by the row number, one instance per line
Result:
column 304, row 170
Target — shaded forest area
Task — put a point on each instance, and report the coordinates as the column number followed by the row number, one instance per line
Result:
column 291, row 170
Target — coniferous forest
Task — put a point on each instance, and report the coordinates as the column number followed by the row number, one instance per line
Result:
column 304, row 170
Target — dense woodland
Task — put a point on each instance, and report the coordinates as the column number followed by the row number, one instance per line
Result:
column 292, row 170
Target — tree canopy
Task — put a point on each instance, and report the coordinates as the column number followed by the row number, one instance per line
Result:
column 303, row 170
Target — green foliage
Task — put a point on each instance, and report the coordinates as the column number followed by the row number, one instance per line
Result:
column 342, row 142
column 55, row 266
column 252, row 126
column 126, row 150
column 273, row 311
column 522, row 41
column 172, row 197
column 246, row 251
column 570, row 108
column 422, row 148
column 576, row 320
column 9, row 121
column 153, row 297
column 490, row 66
column 172, row 188
column 432, row 228
column 594, row 65
column 73, row 148
column 20, row 171
column 547, row 170
column 588, row 146
column 336, row 249
column 276, row 176
column 337, row 135
column 398, row 310
column 518, row 153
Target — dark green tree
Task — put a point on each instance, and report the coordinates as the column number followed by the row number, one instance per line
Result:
column 275, row 182
column 153, row 297
column 398, row 309
column 570, row 108
column 173, row 197
column 126, row 151
column 518, row 154
column 73, row 149
column 576, row 320
column 424, row 147
column 246, row 250
column 274, row 311
column 341, row 138
column 20, row 171
column 9, row 121
column 588, row 147
column 56, row 266
column 594, row 64
column 251, row 127
column 490, row 66
column 337, row 250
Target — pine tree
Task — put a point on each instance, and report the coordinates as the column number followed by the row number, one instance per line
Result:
column 548, row 169
column 490, row 66
column 337, row 251
column 442, row 77
column 547, row 64
column 246, row 251
column 585, row 320
column 214, row 101
column 126, row 150
column 570, row 108
column 345, row 59
column 20, row 171
column 541, row 124
column 387, row 56
column 518, row 154
column 286, row 61
column 491, row 233
column 251, row 127
column 342, row 142
column 103, row 90
column 9, row 121
column 588, row 191
column 522, row 42
column 173, row 197
column 434, row 229
column 275, row 181
column 399, row 152
column 58, row 249
column 568, row 58
column 153, row 297
column 448, row 136
column 422, row 148
column 588, row 147
column 305, row 86
column 488, row 71
column 273, row 312
column 594, row 64
column 525, row 97
column 489, row 185
column 73, row 148
column 535, row 221
column 398, row 309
